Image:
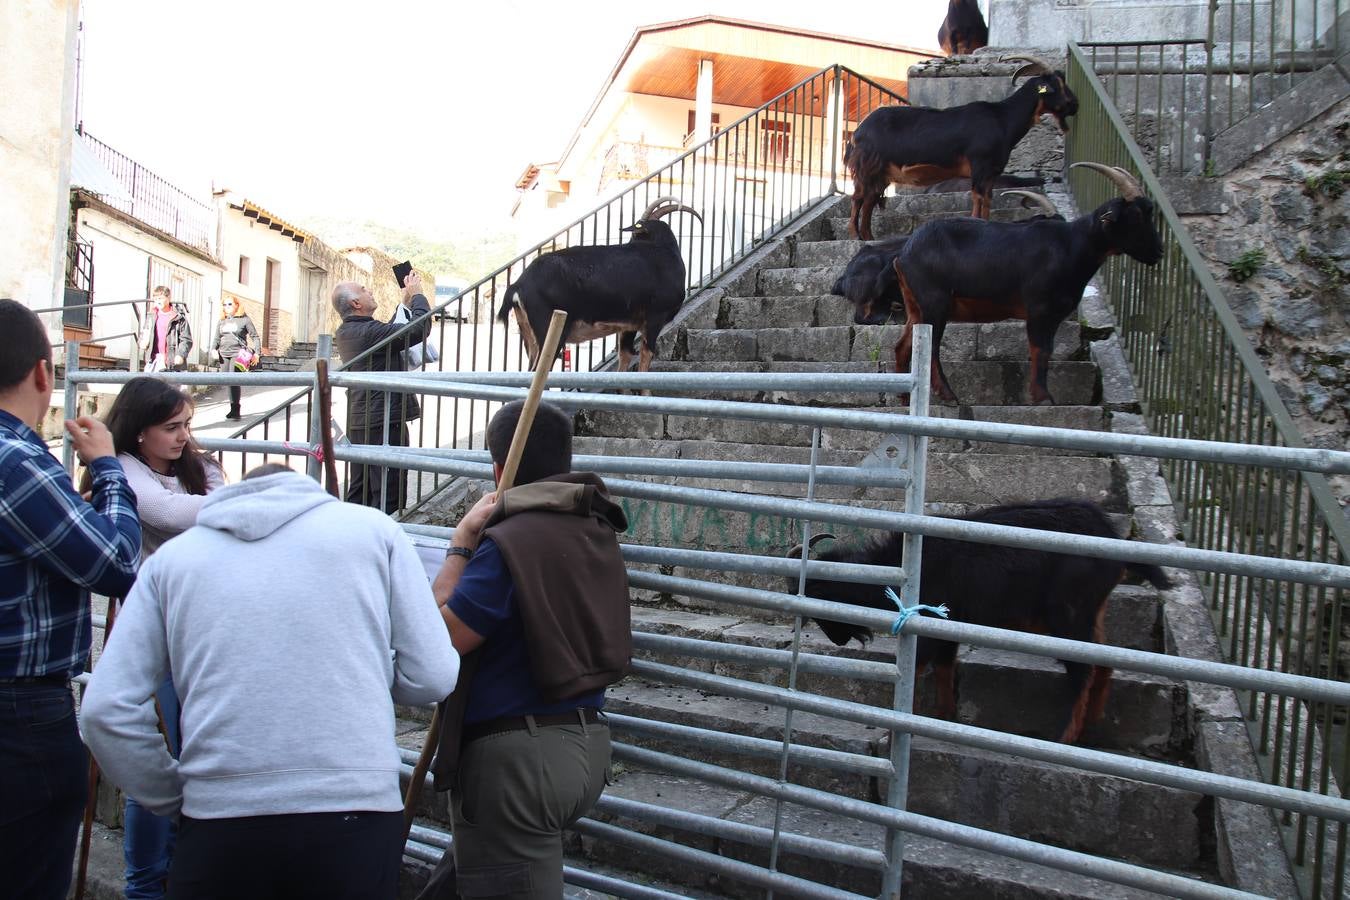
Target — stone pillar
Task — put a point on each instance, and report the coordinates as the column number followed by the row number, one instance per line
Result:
column 703, row 101
column 37, row 107
column 832, row 137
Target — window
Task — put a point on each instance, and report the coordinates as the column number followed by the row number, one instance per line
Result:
column 775, row 142
column 243, row 270
column 716, row 120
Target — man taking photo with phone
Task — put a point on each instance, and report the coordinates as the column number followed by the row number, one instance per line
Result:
column 373, row 416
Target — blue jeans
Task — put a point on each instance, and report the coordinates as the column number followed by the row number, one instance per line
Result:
column 147, row 839
column 44, row 780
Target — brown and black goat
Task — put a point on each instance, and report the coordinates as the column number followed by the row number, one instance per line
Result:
column 619, row 289
column 969, row 270
column 870, row 281
column 1058, row 594
column 913, row 146
column 963, row 31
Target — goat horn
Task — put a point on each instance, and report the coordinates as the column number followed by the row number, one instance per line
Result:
column 656, row 203
column 796, row 551
column 1129, row 188
column 1039, row 199
column 671, row 208
column 1034, row 65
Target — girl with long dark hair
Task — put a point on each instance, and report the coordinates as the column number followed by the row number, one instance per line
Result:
column 170, row 475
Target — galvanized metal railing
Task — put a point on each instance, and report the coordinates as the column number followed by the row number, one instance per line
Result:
column 1301, row 799
column 750, row 182
column 1197, row 375
column 1178, row 95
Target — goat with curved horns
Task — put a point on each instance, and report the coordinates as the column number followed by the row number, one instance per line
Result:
column 870, row 282
column 623, row 289
column 914, row 146
column 969, row 270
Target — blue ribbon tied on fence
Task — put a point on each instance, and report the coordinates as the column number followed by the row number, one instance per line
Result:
column 908, row 612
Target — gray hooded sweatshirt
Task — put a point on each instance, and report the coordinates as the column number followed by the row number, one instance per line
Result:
column 291, row 623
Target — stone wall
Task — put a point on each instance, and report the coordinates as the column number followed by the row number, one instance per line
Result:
column 1286, row 210
column 369, row 266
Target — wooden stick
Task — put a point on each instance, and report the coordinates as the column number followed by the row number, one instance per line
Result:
column 326, row 429
column 550, row 350
column 87, row 828
column 541, row 369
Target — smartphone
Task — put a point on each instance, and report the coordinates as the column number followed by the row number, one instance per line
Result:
column 402, row 271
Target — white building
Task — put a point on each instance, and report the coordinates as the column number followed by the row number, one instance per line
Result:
column 677, row 83
column 261, row 254
column 133, row 232
column 37, row 116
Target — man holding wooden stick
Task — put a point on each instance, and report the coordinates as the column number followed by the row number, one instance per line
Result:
column 535, row 595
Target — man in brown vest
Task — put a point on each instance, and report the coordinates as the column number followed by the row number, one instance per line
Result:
column 535, row 595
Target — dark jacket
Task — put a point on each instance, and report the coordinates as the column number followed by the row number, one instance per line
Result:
column 356, row 335
column 178, row 341
column 234, row 333
column 570, row 581
column 559, row 538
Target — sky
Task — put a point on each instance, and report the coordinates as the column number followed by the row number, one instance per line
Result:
column 411, row 114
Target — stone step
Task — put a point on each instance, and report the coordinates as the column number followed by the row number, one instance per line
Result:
column 976, row 383
column 1111, row 816
column 904, row 213
column 655, row 426
column 799, row 281
column 1002, row 690
column 968, row 478
column 996, row 341
column 901, row 217
column 932, row 869
column 825, row 253
column 935, row 203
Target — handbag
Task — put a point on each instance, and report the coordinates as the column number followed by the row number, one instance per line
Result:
column 243, row 360
column 421, row 353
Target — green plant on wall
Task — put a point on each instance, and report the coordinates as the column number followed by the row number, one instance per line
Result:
column 1331, row 184
column 1324, row 264
column 1246, row 265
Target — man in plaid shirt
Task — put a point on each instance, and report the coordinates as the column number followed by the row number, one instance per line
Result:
column 54, row 549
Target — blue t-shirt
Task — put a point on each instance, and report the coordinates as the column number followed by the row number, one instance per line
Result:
column 485, row 600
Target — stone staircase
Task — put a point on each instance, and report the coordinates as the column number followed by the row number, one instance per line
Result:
column 294, row 359
column 777, row 315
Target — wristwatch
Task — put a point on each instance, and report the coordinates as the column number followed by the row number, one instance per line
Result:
column 458, row 551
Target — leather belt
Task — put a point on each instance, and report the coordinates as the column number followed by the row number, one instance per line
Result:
column 57, row 680
column 582, row 714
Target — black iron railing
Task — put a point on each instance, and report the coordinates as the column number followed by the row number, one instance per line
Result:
column 154, row 201
column 747, row 190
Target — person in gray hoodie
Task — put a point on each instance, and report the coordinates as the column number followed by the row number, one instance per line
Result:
column 291, row 624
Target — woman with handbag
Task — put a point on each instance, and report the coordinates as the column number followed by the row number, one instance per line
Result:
column 170, row 475
column 236, row 346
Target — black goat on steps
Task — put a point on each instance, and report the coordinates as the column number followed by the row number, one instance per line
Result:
column 1001, row 587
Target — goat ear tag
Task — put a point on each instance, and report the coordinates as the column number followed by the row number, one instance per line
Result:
column 1043, row 89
